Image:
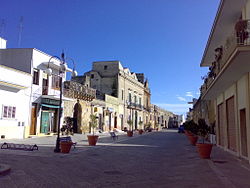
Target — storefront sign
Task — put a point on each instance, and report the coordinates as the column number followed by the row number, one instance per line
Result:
column 50, row 101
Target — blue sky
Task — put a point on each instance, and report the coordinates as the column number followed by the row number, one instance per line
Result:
column 164, row 39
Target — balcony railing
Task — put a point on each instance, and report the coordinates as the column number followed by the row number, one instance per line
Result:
column 240, row 37
column 135, row 106
column 46, row 90
column 147, row 108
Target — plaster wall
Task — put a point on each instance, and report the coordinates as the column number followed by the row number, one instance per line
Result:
column 15, row 97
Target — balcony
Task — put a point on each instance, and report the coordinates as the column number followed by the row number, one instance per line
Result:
column 134, row 106
column 78, row 91
column 148, row 109
column 231, row 62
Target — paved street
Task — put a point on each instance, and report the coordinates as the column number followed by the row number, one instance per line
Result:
column 158, row 159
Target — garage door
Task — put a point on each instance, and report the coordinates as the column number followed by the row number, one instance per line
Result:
column 231, row 127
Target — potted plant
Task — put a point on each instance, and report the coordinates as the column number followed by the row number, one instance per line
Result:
column 186, row 126
column 193, row 128
column 66, row 142
column 92, row 139
column 156, row 126
column 130, row 131
column 140, row 124
column 204, row 148
column 147, row 127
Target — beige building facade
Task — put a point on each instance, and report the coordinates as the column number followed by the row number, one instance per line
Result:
column 226, row 90
column 111, row 79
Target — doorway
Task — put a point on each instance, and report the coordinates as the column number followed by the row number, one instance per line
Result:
column 243, row 132
column 220, row 136
column 110, row 121
column 45, row 86
column 45, row 123
column 33, row 120
column 77, row 117
column 231, row 127
column 136, row 119
column 115, row 122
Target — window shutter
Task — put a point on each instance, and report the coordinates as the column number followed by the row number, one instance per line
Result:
column 13, row 112
column 5, row 111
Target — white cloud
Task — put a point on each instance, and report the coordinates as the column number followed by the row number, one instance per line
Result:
column 189, row 94
column 181, row 98
column 175, row 108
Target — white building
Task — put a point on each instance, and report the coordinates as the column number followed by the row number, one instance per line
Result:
column 14, row 102
column 44, row 89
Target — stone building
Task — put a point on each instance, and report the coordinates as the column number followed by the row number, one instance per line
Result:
column 111, row 78
column 161, row 118
column 79, row 107
column 146, row 98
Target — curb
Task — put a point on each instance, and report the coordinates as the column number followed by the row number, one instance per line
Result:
column 4, row 169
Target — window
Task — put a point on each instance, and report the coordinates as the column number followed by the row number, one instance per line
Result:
column 129, row 97
column 135, row 99
column 92, row 75
column 105, row 67
column 9, row 112
column 139, row 100
column 55, row 82
column 122, row 94
column 36, row 76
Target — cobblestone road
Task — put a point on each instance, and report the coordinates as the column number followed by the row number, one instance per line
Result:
column 158, row 159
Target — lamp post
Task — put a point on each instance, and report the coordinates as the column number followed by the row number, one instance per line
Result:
column 62, row 70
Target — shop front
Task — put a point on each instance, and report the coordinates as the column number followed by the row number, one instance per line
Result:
column 49, row 115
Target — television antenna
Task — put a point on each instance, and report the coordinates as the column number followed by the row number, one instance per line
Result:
column 2, row 27
column 20, row 31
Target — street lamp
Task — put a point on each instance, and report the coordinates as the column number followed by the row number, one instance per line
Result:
column 62, row 70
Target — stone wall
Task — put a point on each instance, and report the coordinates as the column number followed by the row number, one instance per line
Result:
column 83, row 117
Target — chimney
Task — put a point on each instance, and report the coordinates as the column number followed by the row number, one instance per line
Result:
column 3, row 43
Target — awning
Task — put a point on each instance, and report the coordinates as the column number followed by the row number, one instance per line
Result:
column 50, row 106
column 55, row 97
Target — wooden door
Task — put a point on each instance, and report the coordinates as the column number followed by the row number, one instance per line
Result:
column 243, row 132
column 33, row 121
column 231, row 127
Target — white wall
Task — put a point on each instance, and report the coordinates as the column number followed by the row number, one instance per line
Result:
column 15, row 96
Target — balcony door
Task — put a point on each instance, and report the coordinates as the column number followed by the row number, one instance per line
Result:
column 45, row 85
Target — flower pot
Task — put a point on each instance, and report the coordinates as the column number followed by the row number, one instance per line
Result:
column 187, row 133
column 193, row 139
column 130, row 133
column 65, row 146
column 92, row 139
column 140, row 131
column 204, row 150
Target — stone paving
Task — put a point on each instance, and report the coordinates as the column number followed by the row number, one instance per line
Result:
column 157, row 159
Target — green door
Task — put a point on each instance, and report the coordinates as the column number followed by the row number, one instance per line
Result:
column 45, row 122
